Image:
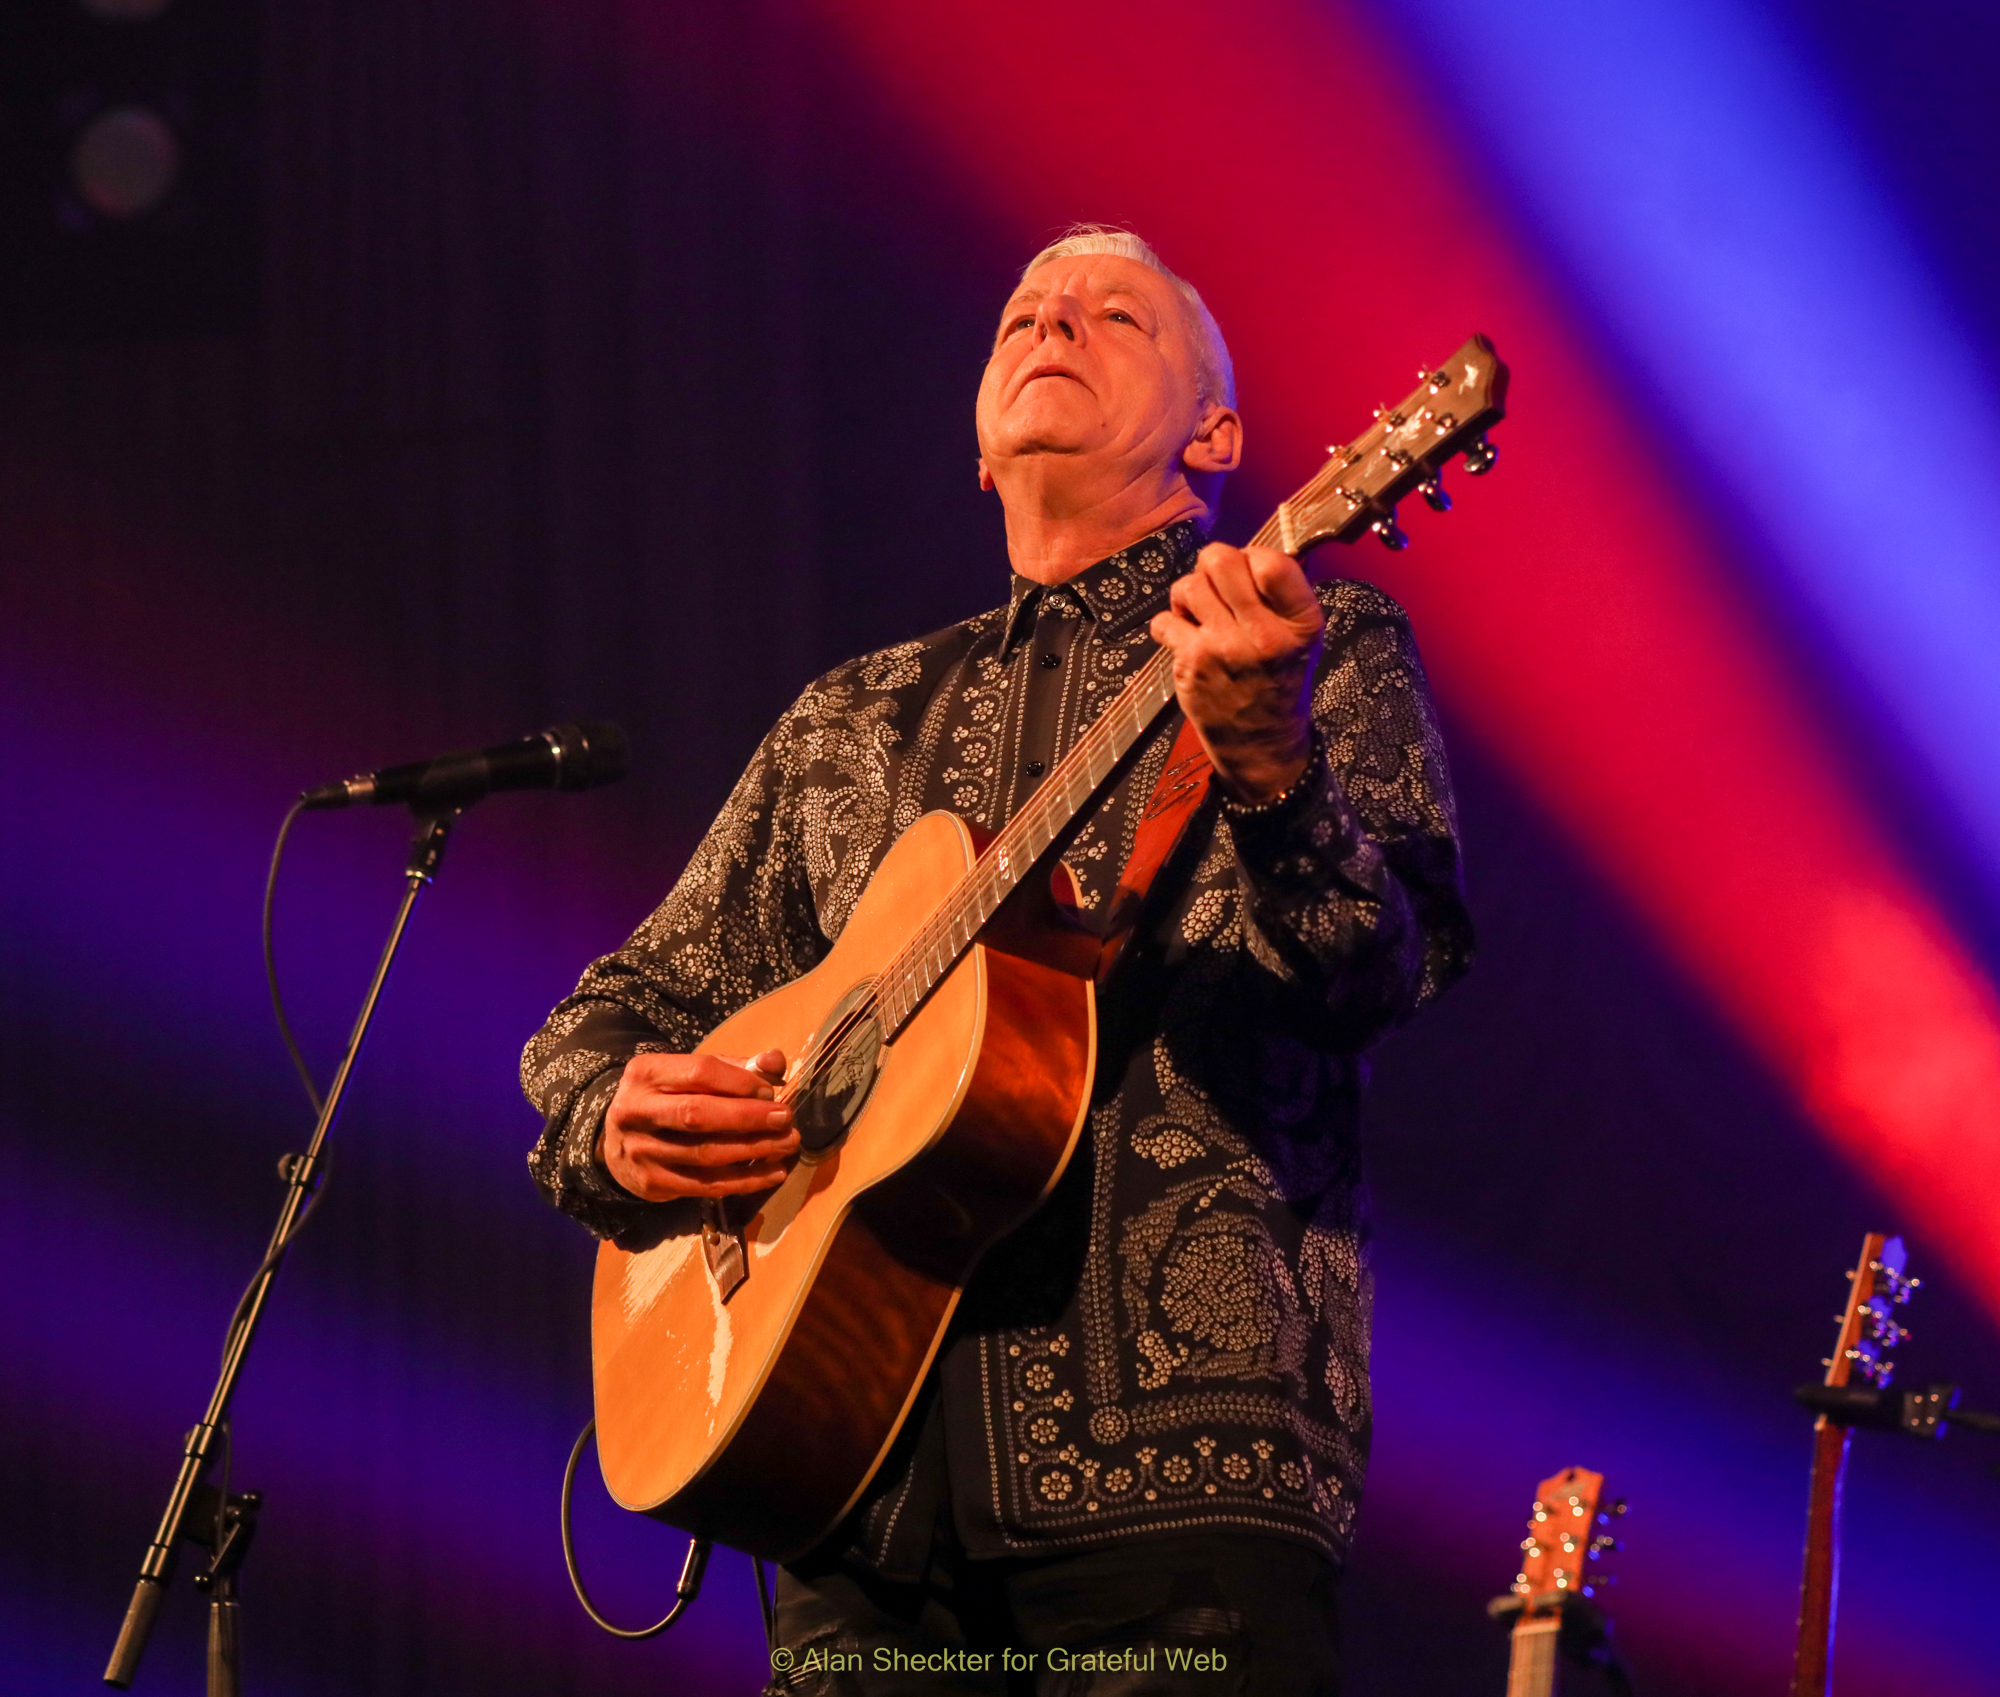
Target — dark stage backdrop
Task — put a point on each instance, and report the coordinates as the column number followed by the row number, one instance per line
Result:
column 576, row 395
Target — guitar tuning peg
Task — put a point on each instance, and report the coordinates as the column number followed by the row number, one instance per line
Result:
column 1390, row 532
column 1479, row 458
column 1432, row 490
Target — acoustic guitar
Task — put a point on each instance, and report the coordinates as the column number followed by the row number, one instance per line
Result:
column 750, row 1378
column 1553, row 1600
column 1878, row 1284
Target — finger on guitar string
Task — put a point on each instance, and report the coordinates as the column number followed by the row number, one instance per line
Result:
column 823, row 1049
column 660, row 1180
column 771, row 1063
column 1194, row 600
column 1282, row 585
column 697, row 1125
column 711, row 1149
column 700, row 1116
column 706, row 1075
column 1227, row 573
column 1245, row 628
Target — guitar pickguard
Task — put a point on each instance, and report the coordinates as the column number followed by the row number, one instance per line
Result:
column 844, row 1078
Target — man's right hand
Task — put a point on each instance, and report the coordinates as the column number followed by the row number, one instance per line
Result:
column 698, row 1125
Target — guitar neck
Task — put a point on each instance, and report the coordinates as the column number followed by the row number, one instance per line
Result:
column 1820, row 1585
column 1531, row 1665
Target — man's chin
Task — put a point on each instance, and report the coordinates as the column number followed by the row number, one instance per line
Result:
column 1058, row 418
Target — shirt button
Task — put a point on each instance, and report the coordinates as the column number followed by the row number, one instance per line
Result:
column 1051, row 659
column 1036, row 768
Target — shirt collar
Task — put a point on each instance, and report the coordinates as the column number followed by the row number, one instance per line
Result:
column 1121, row 591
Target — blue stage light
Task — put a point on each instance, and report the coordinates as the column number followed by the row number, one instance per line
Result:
column 1677, row 159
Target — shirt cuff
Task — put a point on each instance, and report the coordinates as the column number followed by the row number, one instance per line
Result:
column 1307, row 791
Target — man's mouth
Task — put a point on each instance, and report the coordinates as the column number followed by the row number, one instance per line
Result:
column 1040, row 371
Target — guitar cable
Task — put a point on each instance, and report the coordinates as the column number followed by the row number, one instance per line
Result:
column 686, row 1588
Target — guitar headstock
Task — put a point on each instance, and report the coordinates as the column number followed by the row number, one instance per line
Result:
column 1404, row 451
column 1567, row 1539
column 1877, row 1286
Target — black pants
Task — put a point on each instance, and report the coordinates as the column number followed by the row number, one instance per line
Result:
column 1208, row 1614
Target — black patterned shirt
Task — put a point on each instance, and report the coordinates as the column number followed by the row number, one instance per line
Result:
column 1179, row 1338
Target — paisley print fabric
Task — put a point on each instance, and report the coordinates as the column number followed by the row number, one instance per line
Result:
column 1179, row 1338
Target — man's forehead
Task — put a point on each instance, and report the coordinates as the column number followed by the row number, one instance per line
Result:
column 1099, row 275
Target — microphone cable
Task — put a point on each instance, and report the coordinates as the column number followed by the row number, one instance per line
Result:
column 276, row 1253
column 271, row 959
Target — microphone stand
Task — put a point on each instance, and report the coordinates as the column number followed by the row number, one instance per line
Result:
column 226, row 1523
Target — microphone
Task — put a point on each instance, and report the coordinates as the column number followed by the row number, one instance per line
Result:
column 564, row 757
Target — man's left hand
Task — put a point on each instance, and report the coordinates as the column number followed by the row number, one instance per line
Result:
column 1244, row 627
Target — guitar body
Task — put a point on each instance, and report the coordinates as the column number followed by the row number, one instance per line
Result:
column 757, row 1421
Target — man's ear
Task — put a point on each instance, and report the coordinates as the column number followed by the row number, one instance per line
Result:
column 1218, row 443
column 985, row 477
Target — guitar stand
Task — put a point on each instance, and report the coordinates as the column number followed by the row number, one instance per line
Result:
column 1928, row 1413
column 196, row 1511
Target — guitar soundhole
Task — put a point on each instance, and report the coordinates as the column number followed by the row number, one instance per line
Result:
column 845, row 1074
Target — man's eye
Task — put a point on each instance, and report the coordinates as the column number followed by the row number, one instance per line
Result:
column 1120, row 317
column 1020, row 323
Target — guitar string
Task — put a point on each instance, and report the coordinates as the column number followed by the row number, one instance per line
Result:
column 900, row 980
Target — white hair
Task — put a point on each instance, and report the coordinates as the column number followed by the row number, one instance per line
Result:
column 1214, row 372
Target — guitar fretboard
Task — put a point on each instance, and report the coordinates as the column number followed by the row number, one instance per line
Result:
column 1531, row 1669
column 1062, row 795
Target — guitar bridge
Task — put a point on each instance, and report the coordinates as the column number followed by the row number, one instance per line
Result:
column 722, row 1248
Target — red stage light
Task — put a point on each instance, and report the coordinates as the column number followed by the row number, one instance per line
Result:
column 1574, row 613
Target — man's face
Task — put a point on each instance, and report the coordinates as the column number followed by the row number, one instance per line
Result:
column 1095, row 357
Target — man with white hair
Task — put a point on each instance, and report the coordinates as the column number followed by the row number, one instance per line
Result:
column 1144, row 1438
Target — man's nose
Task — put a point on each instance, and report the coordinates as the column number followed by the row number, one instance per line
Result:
column 1059, row 315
